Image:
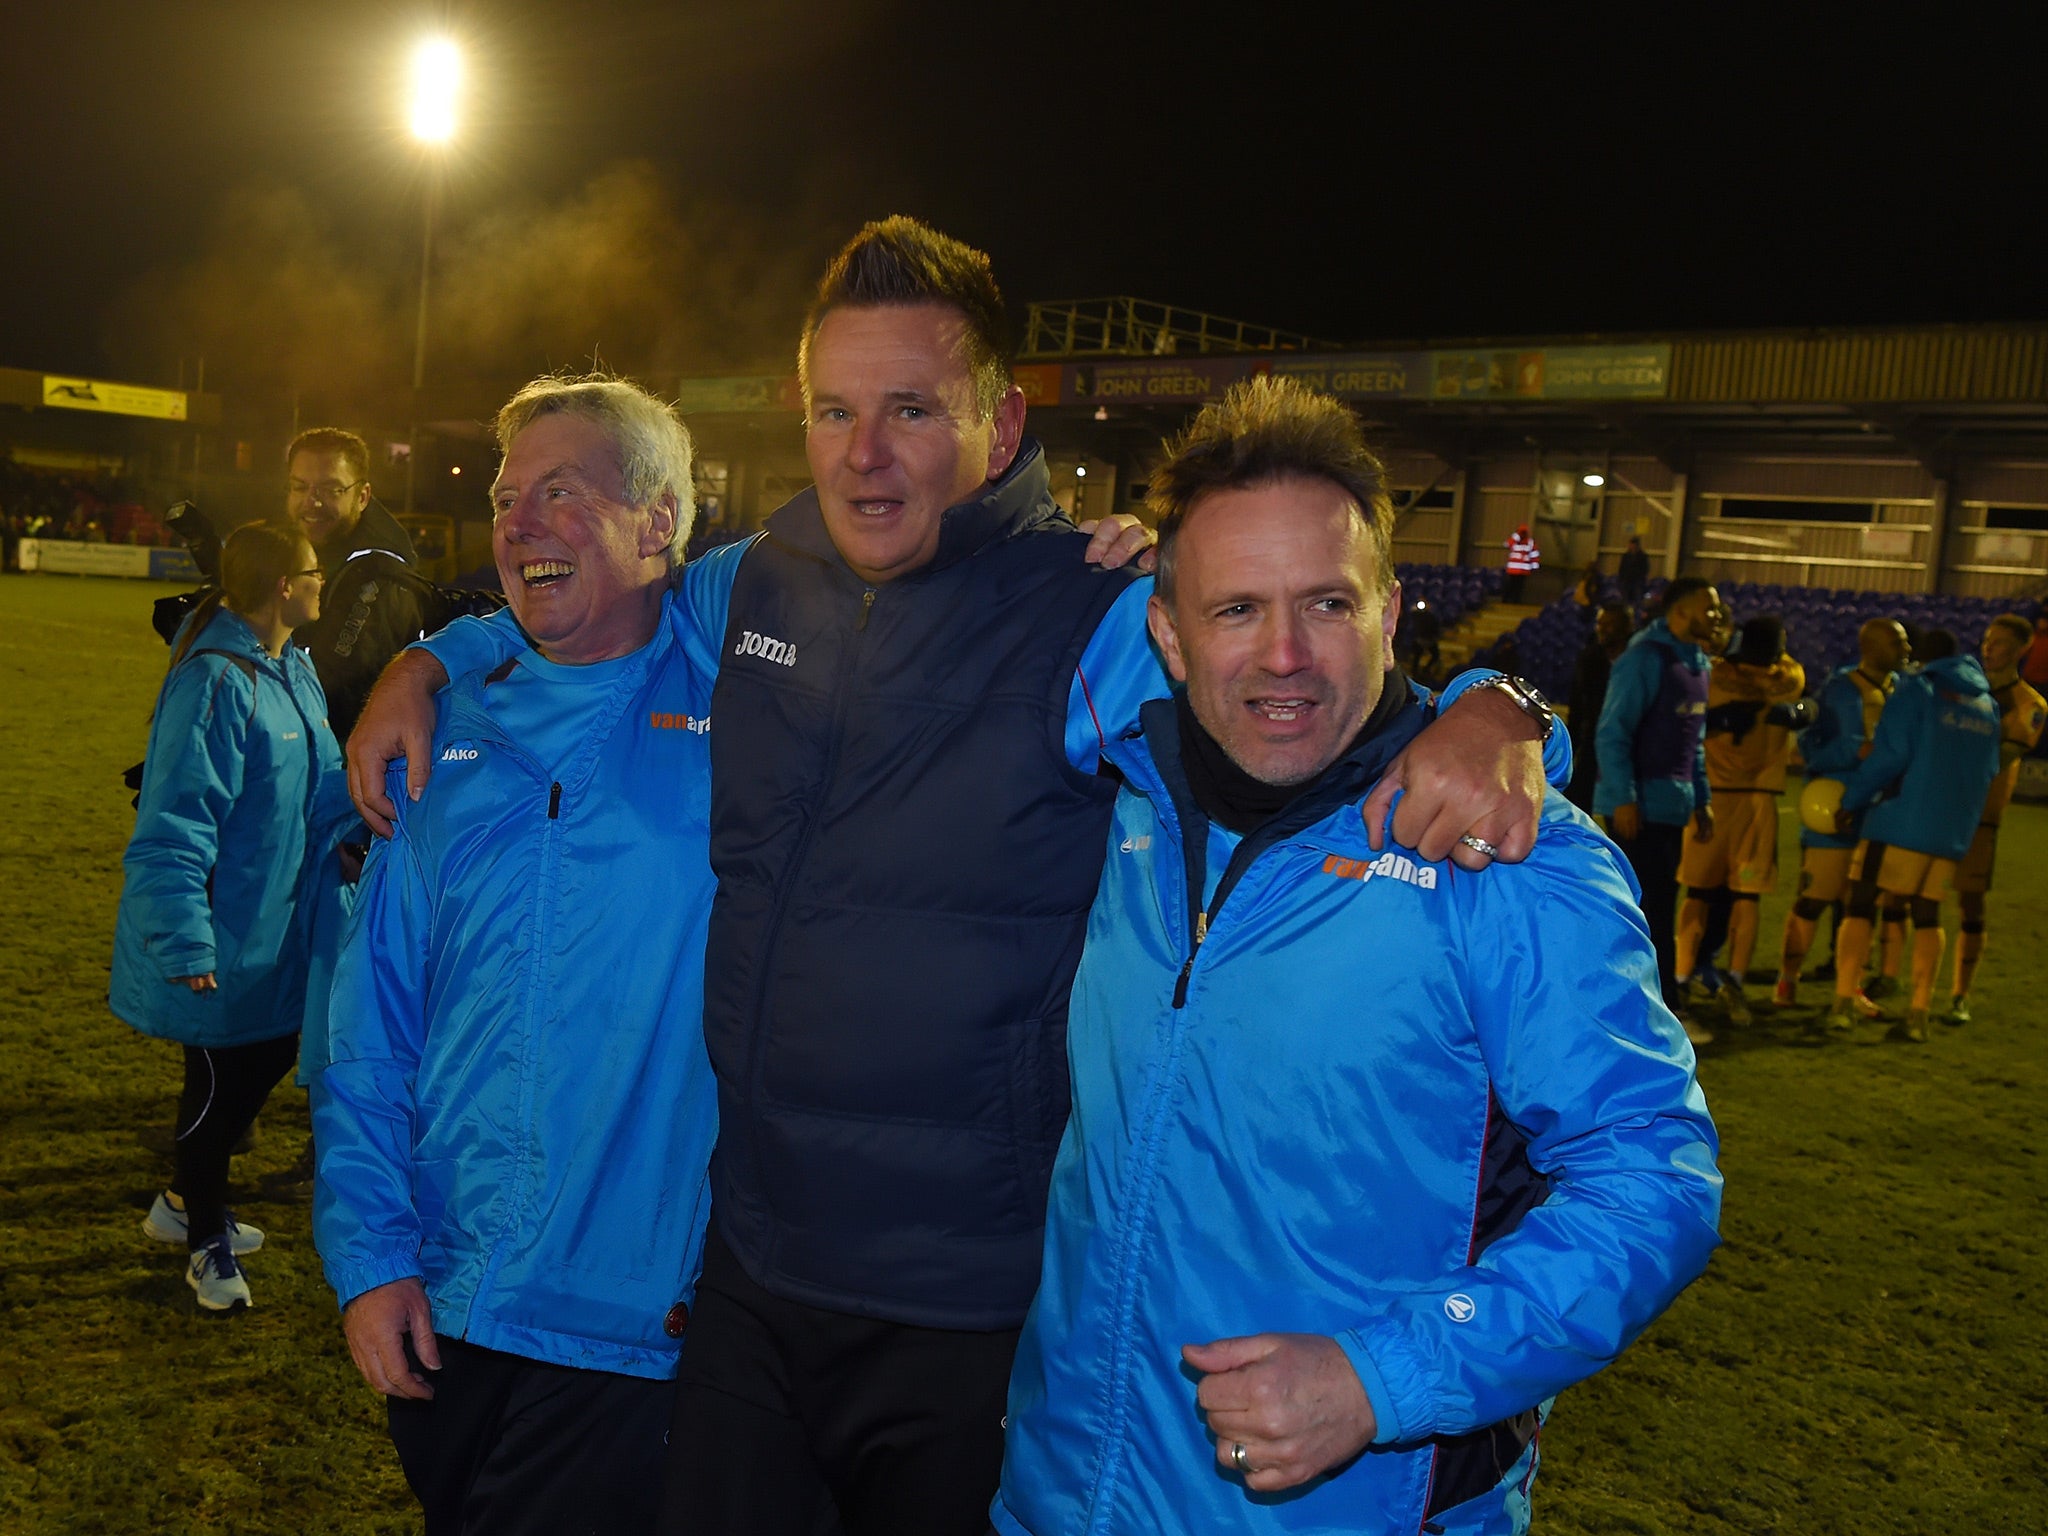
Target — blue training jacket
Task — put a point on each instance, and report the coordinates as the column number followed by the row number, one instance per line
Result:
column 1442, row 1118
column 244, row 797
column 1931, row 762
column 519, row 1109
column 1652, row 736
column 1835, row 743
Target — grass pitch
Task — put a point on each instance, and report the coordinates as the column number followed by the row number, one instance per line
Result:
column 1864, row 1356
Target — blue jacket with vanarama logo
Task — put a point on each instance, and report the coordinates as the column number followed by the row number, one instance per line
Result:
column 1931, row 762
column 243, row 800
column 519, row 1109
column 1439, row 1117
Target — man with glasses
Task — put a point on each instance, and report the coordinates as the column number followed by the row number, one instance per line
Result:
column 372, row 611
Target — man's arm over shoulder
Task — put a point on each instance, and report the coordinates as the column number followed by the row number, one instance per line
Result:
column 1596, row 1074
column 1119, row 670
column 364, row 1224
column 703, row 600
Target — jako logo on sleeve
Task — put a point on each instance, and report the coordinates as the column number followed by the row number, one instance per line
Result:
column 460, row 755
column 1390, row 864
column 763, row 646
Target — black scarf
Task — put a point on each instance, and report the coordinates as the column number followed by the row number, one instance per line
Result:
column 1232, row 798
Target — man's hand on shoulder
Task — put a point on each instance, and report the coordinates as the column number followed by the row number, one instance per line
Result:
column 397, row 721
column 1118, row 539
column 378, row 1322
column 1476, row 772
column 1291, row 1400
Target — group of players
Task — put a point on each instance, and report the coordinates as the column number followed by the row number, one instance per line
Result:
column 1911, row 754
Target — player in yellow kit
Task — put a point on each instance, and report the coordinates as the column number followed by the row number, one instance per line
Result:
column 1750, row 696
column 2022, row 712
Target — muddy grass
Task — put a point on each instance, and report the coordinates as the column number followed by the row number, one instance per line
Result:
column 1864, row 1356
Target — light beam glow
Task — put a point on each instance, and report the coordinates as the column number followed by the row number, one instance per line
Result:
column 436, row 81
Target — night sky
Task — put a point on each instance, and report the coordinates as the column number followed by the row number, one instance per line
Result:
column 233, row 178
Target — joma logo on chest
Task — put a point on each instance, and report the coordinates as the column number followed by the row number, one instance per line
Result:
column 766, row 647
column 1390, row 864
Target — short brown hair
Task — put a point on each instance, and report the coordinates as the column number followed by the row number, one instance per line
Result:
column 901, row 261
column 2021, row 629
column 1266, row 429
column 332, row 440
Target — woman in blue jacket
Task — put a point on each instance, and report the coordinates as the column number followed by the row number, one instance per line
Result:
column 243, row 796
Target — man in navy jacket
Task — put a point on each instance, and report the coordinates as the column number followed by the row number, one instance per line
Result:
column 918, row 672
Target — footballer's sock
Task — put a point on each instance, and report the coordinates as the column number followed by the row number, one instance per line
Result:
column 1894, row 947
column 1969, row 950
column 1742, row 925
column 1927, row 946
column 1692, row 925
column 1792, row 953
column 1852, row 949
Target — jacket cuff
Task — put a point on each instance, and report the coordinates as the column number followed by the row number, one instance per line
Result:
column 1400, row 1381
column 351, row 1280
column 1386, row 1421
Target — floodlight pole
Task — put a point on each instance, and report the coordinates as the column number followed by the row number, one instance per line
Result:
column 419, row 341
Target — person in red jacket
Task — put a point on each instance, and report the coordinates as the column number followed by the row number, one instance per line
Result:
column 1523, row 558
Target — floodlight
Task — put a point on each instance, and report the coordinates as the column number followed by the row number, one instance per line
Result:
column 1080, row 471
column 436, row 78
column 1593, row 478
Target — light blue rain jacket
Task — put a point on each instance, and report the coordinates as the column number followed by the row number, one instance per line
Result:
column 1833, row 745
column 1931, row 762
column 244, row 797
column 518, row 1108
column 1439, row 1117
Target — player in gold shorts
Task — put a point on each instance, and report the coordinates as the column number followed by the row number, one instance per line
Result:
column 2022, row 712
column 1923, row 787
column 1851, row 702
column 1750, row 695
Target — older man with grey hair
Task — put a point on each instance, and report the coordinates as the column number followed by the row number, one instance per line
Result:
column 515, row 1131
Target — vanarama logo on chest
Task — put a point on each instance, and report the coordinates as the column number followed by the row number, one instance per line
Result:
column 661, row 721
column 1390, row 864
column 766, row 647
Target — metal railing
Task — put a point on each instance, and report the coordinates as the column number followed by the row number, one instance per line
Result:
column 1128, row 327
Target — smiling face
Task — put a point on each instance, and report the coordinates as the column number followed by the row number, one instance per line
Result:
column 1277, row 625
column 302, row 589
column 583, row 568
column 895, row 435
column 325, row 494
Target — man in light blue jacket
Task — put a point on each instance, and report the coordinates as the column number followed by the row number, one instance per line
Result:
column 1333, row 1219
column 1915, row 800
column 515, row 1128
column 1652, row 743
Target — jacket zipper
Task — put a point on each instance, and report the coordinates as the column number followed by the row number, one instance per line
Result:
column 554, row 802
column 842, row 693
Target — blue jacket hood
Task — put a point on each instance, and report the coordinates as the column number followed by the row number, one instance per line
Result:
column 1959, row 674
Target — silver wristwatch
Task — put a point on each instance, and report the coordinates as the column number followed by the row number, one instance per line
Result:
column 1527, row 699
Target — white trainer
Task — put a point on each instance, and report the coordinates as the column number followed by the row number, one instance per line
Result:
column 217, row 1277
column 167, row 1224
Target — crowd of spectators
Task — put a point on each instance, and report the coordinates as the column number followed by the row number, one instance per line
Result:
column 97, row 509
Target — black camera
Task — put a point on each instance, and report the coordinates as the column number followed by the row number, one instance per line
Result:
column 195, row 531
column 1795, row 716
